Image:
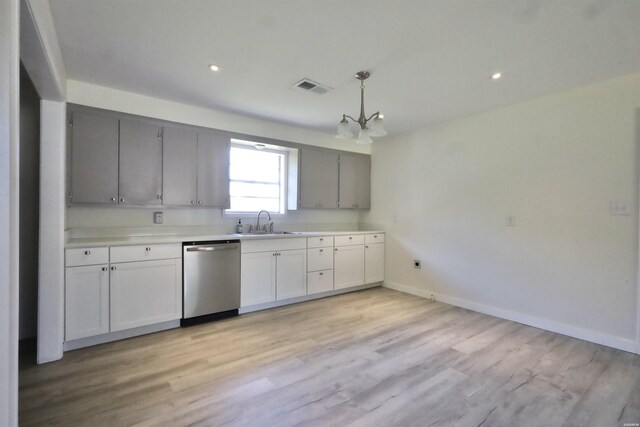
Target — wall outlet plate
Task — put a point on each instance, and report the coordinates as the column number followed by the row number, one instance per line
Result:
column 157, row 217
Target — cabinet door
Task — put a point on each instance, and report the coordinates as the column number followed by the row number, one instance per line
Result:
column 93, row 158
column 179, row 166
column 145, row 292
column 355, row 177
column 318, row 179
column 213, row 169
column 257, row 278
column 86, row 296
column 291, row 276
column 348, row 266
column 140, row 163
column 374, row 263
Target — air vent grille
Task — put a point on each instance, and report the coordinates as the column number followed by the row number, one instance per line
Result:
column 311, row 86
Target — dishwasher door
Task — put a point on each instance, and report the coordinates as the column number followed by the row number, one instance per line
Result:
column 211, row 279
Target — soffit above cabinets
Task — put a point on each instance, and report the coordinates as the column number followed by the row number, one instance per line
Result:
column 429, row 60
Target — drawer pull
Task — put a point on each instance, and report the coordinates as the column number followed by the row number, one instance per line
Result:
column 321, row 273
column 113, row 267
column 350, row 238
column 321, row 250
column 321, row 239
column 148, row 249
column 104, row 268
column 87, row 252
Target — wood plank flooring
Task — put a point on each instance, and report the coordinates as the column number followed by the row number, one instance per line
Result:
column 371, row 358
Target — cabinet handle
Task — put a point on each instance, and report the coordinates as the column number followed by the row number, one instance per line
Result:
column 87, row 252
column 350, row 238
column 193, row 202
column 375, row 236
column 199, row 202
column 113, row 199
column 366, row 247
column 148, row 249
column 113, row 267
column 157, row 196
column 104, row 268
column 122, row 200
column 321, row 273
column 321, row 239
column 321, row 250
column 336, row 249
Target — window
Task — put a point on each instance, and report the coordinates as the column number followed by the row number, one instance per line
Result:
column 257, row 179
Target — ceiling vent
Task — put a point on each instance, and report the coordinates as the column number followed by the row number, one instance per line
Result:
column 311, row 86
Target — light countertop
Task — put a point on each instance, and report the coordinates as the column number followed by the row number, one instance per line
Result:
column 160, row 239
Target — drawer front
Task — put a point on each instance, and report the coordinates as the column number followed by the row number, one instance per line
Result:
column 145, row 252
column 266, row 245
column 374, row 238
column 319, row 259
column 319, row 281
column 320, row 242
column 86, row 256
column 349, row 240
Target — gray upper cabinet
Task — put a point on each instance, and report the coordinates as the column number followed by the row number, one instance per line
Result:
column 213, row 169
column 179, row 166
column 355, row 182
column 140, row 162
column 93, row 158
column 318, row 178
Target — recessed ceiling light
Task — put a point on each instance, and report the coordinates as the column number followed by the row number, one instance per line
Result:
column 214, row 67
column 496, row 76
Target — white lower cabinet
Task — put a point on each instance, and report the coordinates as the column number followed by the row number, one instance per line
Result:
column 291, row 274
column 374, row 263
column 144, row 289
column 86, row 297
column 319, row 281
column 145, row 292
column 272, row 270
column 258, row 278
column 348, row 266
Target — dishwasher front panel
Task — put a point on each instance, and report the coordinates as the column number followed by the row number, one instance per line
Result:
column 211, row 278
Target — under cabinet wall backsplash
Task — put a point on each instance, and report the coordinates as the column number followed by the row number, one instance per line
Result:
column 80, row 220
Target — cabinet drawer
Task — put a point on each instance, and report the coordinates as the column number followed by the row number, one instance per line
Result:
column 320, row 242
column 86, row 256
column 319, row 281
column 266, row 245
column 319, row 259
column 349, row 240
column 145, row 252
column 374, row 238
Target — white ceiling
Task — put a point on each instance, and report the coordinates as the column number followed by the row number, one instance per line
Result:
column 429, row 60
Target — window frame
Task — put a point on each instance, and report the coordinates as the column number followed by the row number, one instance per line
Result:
column 284, row 166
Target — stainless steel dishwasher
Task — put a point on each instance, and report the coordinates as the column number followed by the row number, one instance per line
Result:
column 211, row 281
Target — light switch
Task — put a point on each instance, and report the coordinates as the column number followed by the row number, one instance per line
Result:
column 620, row 207
column 510, row 221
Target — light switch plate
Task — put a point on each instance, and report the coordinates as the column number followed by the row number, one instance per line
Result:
column 157, row 217
column 510, row 221
column 620, row 207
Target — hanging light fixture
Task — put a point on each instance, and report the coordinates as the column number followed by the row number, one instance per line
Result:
column 365, row 134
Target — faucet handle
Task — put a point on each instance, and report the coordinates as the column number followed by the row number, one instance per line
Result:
column 271, row 227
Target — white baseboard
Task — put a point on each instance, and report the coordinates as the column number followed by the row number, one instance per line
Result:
column 120, row 335
column 538, row 322
column 273, row 304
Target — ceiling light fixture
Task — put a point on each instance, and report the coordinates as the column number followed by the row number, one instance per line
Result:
column 496, row 76
column 214, row 67
column 365, row 134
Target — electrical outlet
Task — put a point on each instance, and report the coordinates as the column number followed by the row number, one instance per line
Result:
column 417, row 264
column 157, row 218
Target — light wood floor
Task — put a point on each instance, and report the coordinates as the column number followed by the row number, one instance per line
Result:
column 370, row 358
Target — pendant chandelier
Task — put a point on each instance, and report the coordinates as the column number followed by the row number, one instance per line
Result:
column 376, row 127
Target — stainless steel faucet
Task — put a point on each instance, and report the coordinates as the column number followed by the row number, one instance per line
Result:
column 258, row 221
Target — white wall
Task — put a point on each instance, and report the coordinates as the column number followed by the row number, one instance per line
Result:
column 136, row 219
column 9, row 222
column 443, row 192
column 29, row 204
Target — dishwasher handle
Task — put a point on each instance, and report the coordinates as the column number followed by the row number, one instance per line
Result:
column 211, row 248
